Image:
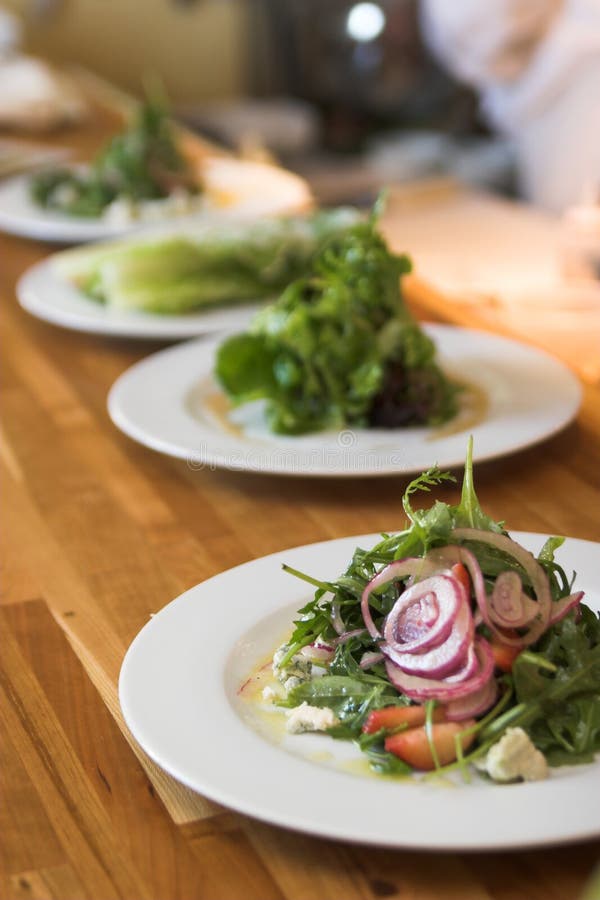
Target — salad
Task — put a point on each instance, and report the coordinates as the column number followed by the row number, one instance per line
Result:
column 447, row 644
column 223, row 264
column 339, row 347
column 141, row 165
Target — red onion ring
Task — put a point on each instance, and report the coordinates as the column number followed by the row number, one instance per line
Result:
column 538, row 621
column 411, row 565
column 442, row 659
column 449, row 595
column 474, row 704
column 317, row 653
column 418, row 688
column 505, row 604
column 370, row 658
column 342, row 638
column 467, row 670
column 509, row 606
column 561, row 607
column 415, row 620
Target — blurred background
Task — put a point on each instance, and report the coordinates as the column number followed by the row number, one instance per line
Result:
column 502, row 94
column 348, row 94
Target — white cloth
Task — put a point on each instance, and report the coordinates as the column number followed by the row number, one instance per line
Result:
column 537, row 66
column 33, row 97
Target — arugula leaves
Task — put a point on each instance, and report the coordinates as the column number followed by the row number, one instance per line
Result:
column 141, row 163
column 352, row 699
column 562, row 707
column 554, row 689
column 337, row 341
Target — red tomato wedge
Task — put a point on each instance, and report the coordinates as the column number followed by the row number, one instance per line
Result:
column 460, row 573
column 395, row 716
column 504, row 656
column 413, row 745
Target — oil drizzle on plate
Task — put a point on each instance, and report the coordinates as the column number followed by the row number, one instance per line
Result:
column 206, row 399
column 473, row 408
column 216, row 406
column 269, row 721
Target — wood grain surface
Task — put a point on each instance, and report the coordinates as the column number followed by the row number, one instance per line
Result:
column 98, row 534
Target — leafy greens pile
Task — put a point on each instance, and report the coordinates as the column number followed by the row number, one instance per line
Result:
column 223, row 264
column 141, row 163
column 552, row 692
column 339, row 347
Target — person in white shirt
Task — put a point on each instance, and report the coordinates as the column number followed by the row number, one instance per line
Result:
column 536, row 64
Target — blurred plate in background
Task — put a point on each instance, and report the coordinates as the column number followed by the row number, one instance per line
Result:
column 171, row 403
column 235, row 190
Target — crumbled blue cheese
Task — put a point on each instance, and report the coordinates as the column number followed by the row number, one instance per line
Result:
column 310, row 718
column 63, row 195
column 297, row 670
column 514, row 757
column 124, row 211
column 121, row 211
column 270, row 693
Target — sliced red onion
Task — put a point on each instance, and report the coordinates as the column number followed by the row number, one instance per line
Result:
column 445, row 557
column 411, row 565
column 467, row 669
column 325, row 645
column 474, row 704
column 317, row 654
column 342, row 638
column 449, row 594
column 505, row 602
column 539, row 620
column 416, row 620
column 370, row 658
column 509, row 606
column 418, row 688
column 560, row 608
column 443, row 659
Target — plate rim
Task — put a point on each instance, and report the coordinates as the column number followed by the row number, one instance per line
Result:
column 220, row 461
column 347, row 834
column 155, row 328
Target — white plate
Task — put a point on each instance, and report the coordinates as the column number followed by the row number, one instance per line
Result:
column 44, row 293
column 179, row 687
column 166, row 402
column 251, row 190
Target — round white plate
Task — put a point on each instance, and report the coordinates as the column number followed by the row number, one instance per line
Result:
column 167, row 402
column 44, row 293
column 179, row 692
column 236, row 190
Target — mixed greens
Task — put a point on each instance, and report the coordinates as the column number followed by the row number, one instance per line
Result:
column 339, row 347
column 142, row 163
column 222, row 264
column 384, row 649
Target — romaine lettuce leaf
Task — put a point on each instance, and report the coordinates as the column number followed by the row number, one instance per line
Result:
column 343, row 347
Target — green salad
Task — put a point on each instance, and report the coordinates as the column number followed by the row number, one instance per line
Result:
column 142, row 163
column 448, row 644
column 218, row 265
column 339, row 347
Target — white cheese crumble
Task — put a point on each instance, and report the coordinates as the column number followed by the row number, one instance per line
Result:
column 269, row 693
column 310, row 718
column 124, row 211
column 297, row 670
column 514, row 757
column 63, row 195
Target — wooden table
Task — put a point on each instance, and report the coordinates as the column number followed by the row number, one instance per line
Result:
column 100, row 533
